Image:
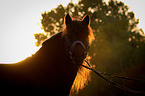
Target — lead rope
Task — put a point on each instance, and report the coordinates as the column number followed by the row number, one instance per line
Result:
column 113, row 83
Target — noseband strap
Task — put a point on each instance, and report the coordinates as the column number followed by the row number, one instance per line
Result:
column 74, row 44
column 71, row 49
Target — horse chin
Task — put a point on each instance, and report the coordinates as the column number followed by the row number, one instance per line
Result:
column 78, row 61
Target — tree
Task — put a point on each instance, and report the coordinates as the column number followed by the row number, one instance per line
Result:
column 118, row 42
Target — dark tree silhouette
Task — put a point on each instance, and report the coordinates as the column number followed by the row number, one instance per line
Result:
column 118, row 44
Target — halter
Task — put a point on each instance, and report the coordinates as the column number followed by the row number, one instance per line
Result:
column 71, row 49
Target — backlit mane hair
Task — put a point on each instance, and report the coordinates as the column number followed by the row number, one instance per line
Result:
column 83, row 75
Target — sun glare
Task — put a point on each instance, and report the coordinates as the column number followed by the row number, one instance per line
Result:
column 19, row 25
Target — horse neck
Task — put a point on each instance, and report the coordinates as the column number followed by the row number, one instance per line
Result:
column 61, row 69
column 65, row 68
column 68, row 74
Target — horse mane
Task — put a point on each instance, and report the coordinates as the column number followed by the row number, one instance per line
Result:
column 83, row 75
column 81, row 80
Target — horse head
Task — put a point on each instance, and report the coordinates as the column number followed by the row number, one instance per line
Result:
column 78, row 36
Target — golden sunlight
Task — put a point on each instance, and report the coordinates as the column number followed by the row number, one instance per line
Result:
column 21, row 19
column 18, row 25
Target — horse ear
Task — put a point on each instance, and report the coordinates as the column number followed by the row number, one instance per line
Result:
column 86, row 19
column 68, row 19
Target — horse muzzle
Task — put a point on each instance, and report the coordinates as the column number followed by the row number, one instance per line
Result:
column 78, row 52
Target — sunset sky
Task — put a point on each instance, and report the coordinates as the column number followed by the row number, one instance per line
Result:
column 20, row 19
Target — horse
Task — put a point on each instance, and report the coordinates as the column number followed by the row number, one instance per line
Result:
column 55, row 68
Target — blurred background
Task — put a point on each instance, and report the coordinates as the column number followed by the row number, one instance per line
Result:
column 118, row 48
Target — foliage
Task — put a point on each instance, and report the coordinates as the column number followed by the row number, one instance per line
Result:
column 118, row 42
column 40, row 37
